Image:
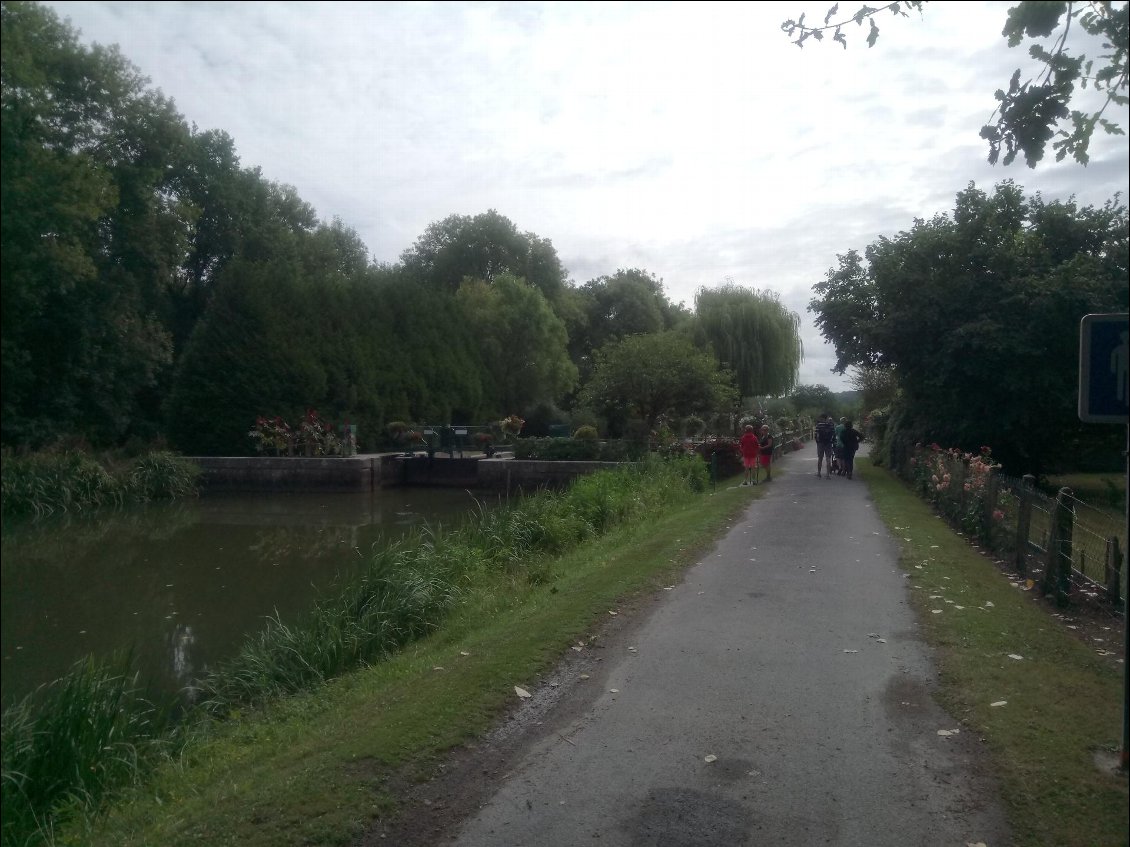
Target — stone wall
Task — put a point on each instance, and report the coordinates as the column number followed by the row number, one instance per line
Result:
column 247, row 473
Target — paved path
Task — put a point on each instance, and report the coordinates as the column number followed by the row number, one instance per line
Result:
column 790, row 653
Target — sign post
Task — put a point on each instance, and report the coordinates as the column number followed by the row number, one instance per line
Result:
column 1104, row 397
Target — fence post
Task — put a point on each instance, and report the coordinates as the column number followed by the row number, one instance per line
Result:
column 1113, row 570
column 992, row 490
column 1057, row 571
column 1024, row 522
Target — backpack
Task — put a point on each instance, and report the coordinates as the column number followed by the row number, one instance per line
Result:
column 850, row 438
column 825, row 433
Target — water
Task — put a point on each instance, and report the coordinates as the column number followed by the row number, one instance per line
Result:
column 181, row 585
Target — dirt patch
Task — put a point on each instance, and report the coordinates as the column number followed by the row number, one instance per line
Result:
column 1087, row 616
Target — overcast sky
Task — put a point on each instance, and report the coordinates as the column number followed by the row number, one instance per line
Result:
column 691, row 140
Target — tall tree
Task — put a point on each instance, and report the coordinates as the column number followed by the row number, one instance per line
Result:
column 753, row 334
column 812, row 400
column 629, row 302
column 522, row 343
column 979, row 312
column 484, row 247
column 1029, row 113
column 93, row 232
column 656, row 374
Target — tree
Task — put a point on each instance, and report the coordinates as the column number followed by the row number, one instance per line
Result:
column 1029, row 113
column 753, row 334
column 979, row 313
column 522, row 343
column 629, row 302
column 812, row 400
column 92, row 232
column 656, row 374
column 484, row 247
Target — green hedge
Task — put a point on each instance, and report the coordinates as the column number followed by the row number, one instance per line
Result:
column 579, row 450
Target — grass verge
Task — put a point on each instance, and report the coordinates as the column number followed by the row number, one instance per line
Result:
column 313, row 768
column 1062, row 703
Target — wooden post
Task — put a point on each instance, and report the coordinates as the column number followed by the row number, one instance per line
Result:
column 1057, row 572
column 1024, row 522
column 1113, row 570
column 992, row 489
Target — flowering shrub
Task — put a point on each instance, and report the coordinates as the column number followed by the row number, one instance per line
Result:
column 314, row 435
column 272, row 435
column 317, row 435
column 511, row 425
column 960, row 485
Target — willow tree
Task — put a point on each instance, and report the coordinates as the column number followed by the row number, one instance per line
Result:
column 753, row 335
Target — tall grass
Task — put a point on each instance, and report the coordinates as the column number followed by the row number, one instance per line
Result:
column 68, row 744
column 45, row 483
column 408, row 589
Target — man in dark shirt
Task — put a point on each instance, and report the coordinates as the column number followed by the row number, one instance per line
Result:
column 825, row 433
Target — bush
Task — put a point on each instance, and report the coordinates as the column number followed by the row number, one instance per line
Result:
column 578, row 450
column 726, row 452
column 586, row 433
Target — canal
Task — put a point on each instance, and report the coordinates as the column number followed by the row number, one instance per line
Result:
column 180, row 585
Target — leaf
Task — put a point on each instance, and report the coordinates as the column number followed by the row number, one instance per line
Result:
column 523, row 693
column 873, row 35
column 831, row 12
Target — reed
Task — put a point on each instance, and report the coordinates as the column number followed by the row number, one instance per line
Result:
column 46, row 483
column 70, row 743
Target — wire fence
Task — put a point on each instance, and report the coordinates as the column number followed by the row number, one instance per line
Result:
column 1071, row 550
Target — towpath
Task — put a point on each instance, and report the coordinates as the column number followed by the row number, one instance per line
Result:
column 780, row 695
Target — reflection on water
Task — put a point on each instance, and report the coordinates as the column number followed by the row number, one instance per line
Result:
column 181, row 585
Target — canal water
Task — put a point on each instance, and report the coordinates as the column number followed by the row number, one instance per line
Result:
column 181, row 585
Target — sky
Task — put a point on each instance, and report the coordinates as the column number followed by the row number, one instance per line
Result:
column 694, row 141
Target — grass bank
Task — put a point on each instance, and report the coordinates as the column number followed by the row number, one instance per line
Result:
column 73, row 481
column 313, row 768
column 1044, row 702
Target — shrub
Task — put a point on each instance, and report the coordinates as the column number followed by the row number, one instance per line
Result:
column 726, row 452
column 586, row 433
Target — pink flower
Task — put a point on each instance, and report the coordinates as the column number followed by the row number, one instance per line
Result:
column 998, row 515
column 968, row 487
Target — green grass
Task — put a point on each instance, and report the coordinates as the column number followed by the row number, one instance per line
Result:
column 72, row 481
column 313, row 768
column 1102, row 490
column 1063, row 700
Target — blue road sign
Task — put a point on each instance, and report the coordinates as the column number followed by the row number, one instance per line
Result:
column 1104, row 369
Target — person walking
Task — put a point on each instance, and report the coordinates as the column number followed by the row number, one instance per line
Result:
column 825, row 434
column 838, row 447
column 850, row 438
column 750, row 447
column 766, row 442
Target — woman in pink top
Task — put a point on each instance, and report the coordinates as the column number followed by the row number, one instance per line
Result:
column 751, row 452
